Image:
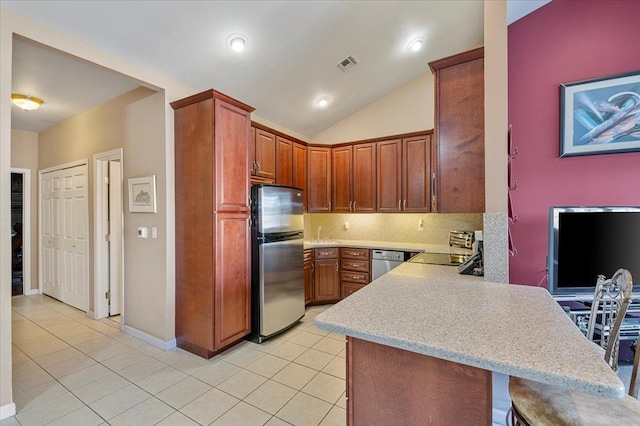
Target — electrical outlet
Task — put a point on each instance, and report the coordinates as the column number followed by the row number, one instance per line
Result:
column 346, row 225
column 420, row 225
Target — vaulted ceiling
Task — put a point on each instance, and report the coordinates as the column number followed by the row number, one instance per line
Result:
column 291, row 57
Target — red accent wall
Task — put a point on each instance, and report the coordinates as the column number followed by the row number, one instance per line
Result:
column 562, row 42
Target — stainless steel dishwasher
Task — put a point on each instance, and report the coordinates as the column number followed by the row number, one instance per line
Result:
column 385, row 260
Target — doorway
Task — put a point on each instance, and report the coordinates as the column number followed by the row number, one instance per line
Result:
column 108, row 237
column 17, row 236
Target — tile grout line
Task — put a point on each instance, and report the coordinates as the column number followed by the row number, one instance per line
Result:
column 316, row 371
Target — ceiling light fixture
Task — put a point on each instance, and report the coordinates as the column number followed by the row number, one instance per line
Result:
column 237, row 42
column 416, row 44
column 27, row 103
column 323, row 101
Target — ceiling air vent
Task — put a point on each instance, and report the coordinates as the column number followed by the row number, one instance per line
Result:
column 348, row 63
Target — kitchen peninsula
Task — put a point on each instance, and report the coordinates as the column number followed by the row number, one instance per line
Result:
column 423, row 341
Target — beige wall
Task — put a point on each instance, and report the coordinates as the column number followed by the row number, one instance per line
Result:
column 147, row 306
column 401, row 227
column 24, row 155
column 409, row 108
column 163, row 327
column 495, row 105
column 97, row 130
column 7, row 407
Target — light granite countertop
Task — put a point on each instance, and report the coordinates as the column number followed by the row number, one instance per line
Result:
column 387, row 245
column 510, row 329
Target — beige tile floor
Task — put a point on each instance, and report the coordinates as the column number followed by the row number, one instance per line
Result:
column 71, row 370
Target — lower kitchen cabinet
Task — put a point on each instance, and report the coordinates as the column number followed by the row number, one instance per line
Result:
column 326, row 275
column 349, row 288
column 355, row 270
column 308, row 276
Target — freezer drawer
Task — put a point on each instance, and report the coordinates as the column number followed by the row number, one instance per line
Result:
column 281, row 285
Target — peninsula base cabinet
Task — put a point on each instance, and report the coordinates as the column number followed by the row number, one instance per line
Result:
column 390, row 386
column 213, row 238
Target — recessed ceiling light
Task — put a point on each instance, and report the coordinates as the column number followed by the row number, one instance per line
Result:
column 27, row 103
column 237, row 42
column 323, row 101
column 415, row 44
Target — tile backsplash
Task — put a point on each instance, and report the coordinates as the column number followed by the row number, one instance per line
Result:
column 401, row 227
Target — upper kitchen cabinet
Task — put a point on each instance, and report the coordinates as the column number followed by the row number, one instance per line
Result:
column 299, row 170
column 263, row 153
column 213, row 244
column 319, row 179
column 284, row 161
column 354, row 178
column 459, row 132
column 404, row 179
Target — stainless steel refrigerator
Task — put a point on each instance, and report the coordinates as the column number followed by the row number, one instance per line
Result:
column 277, row 259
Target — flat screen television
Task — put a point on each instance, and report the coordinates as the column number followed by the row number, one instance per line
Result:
column 585, row 242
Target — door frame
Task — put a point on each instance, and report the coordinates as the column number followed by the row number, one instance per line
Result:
column 84, row 162
column 26, row 230
column 101, row 249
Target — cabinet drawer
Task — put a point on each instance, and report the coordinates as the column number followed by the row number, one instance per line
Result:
column 354, row 265
column 308, row 255
column 354, row 253
column 354, row 277
column 350, row 288
column 326, row 253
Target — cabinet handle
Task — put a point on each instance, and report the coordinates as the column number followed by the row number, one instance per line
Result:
column 400, row 205
column 433, row 191
column 336, row 266
column 350, row 206
column 329, row 205
column 313, row 267
column 404, row 207
column 355, row 205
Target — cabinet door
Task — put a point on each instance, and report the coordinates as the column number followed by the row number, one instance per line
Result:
column 308, row 282
column 231, row 158
column 300, row 171
column 460, row 137
column 265, row 154
column 389, row 176
column 252, row 151
column 284, row 158
column 341, row 197
column 326, row 280
column 364, row 178
column 319, row 179
column 416, row 159
column 232, row 319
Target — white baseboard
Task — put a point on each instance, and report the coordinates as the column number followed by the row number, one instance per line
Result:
column 147, row 338
column 91, row 315
column 7, row 411
column 30, row 292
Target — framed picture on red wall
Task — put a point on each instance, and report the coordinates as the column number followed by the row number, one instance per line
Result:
column 600, row 116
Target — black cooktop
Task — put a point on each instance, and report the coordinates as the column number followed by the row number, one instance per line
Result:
column 439, row 258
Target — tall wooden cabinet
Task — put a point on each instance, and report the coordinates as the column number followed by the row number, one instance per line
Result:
column 459, row 130
column 213, row 244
